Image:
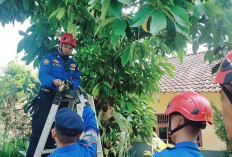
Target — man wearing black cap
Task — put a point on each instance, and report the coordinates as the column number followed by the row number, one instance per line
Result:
column 68, row 129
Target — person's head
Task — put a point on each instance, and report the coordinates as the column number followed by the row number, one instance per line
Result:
column 188, row 113
column 224, row 76
column 66, row 44
column 68, row 127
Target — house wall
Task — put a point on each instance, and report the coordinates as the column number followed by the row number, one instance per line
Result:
column 209, row 138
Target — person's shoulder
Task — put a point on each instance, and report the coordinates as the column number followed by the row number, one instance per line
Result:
column 163, row 153
column 167, row 153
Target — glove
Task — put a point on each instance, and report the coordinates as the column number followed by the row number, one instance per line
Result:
column 83, row 101
column 67, row 85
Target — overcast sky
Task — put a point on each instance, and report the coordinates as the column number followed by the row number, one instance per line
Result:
column 9, row 39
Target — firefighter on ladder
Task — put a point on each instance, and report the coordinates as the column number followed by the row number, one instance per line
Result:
column 54, row 68
column 68, row 129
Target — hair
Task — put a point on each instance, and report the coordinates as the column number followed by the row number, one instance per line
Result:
column 194, row 126
column 64, row 139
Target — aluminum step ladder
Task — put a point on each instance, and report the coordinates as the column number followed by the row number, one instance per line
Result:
column 51, row 117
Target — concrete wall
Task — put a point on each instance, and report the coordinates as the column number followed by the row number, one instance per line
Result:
column 209, row 138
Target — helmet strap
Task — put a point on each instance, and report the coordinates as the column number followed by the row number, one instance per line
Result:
column 65, row 57
column 170, row 132
column 227, row 88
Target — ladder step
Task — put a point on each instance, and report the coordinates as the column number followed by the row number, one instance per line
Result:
column 48, row 151
column 22, row 152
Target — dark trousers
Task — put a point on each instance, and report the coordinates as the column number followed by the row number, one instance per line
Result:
column 41, row 108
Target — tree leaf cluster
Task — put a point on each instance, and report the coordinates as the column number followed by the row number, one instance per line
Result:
column 122, row 47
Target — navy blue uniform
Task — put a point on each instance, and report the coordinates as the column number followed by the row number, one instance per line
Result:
column 87, row 146
column 51, row 68
column 182, row 149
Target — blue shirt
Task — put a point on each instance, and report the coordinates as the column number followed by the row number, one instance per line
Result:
column 52, row 67
column 75, row 150
column 87, row 146
column 182, row 149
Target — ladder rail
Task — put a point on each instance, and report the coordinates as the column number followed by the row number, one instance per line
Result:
column 50, row 119
column 46, row 130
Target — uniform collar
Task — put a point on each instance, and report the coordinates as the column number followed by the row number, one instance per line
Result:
column 66, row 148
column 187, row 144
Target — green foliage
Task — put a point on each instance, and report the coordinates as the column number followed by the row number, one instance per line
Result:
column 18, row 87
column 219, row 124
column 10, row 148
column 122, row 47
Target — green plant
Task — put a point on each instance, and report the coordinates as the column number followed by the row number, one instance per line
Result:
column 18, row 86
column 158, row 145
column 219, row 124
column 11, row 147
column 122, row 48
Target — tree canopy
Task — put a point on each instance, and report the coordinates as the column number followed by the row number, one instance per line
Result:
column 122, row 48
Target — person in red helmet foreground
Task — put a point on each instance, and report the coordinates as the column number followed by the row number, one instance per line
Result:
column 54, row 69
column 224, row 78
column 188, row 113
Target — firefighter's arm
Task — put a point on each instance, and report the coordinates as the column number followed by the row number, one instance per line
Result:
column 90, row 136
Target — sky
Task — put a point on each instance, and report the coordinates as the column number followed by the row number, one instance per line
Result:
column 9, row 39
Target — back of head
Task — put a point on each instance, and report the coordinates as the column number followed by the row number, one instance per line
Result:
column 69, row 125
column 224, row 75
column 192, row 106
column 188, row 113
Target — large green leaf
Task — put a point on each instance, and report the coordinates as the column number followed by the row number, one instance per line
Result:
column 119, row 27
column 21, row 45
column 54, row 13
column 125, row 57
column 60, row 14
column 195, row 46
column 215, row 68
column 1, row 1
column 26, row 4
column 114, row 39
column 95, row 90
column 158, row 22
column 141, row 16
column 180, row 41
column 181, row 16
column 199, row 9
column 116, row 8
column 180, row 29
column 209, row 56
column 104, row 8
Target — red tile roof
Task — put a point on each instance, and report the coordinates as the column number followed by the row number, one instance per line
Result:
column 193, row 75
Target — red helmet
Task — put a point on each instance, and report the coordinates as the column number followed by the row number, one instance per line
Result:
column 192, row 106
column 68, row 39
column 224, row 74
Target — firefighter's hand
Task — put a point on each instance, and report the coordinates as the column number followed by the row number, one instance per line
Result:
column 68, row 84
column 83, row 102
column 57, row 82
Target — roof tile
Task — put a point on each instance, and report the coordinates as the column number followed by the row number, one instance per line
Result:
column 194, row 74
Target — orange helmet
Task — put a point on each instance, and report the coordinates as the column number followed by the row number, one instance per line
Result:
column 68, row 39
column 192, row 106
